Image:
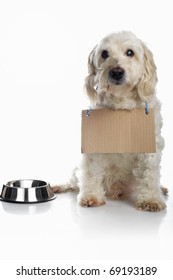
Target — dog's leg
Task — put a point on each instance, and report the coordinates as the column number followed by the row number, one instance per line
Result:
column 90, row 183
column 91, row 193
column 147, row 193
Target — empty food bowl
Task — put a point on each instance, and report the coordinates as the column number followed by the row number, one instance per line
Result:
column 27, row 191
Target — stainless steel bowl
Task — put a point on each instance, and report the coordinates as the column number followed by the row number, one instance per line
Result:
column 27, row 191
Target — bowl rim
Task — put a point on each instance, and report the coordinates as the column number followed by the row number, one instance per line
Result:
column 12, row 181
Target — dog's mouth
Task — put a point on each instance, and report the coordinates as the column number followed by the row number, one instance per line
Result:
column 117, row 83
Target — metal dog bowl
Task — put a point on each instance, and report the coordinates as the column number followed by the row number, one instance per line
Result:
column 27, row 191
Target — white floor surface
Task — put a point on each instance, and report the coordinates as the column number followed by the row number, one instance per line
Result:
column 61, row 229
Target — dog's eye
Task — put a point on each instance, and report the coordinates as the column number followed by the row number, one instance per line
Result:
column 105, row 54
column 130, row 53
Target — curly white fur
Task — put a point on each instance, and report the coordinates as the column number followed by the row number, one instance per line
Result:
column 136, row 176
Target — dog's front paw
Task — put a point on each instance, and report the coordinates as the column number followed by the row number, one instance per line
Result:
column 152, row 206
column 90, row 201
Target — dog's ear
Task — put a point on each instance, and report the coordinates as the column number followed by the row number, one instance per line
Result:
column 146, row 85
column 89, row 80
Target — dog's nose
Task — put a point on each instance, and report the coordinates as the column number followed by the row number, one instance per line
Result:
column 117, row 73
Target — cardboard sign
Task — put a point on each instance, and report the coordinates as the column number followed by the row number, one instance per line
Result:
column 118, row 131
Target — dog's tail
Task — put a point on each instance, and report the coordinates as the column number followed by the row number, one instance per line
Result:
column 72, row 185
column 164, row 191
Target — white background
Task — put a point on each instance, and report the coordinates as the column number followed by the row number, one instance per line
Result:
column 44, row 47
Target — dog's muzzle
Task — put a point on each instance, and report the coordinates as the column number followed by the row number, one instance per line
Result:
column 116, row 75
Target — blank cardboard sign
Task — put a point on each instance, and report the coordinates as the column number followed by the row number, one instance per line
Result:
column 118, row 131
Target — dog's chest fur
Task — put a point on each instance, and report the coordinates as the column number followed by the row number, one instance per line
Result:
column 113, row 167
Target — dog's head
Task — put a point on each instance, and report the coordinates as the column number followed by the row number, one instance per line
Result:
column 120, row 64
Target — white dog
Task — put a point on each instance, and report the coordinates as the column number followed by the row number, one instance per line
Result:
column 122, row 75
